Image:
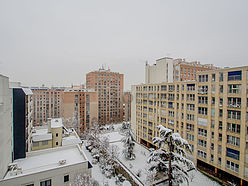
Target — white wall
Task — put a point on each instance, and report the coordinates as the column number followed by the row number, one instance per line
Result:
column 56, row 175
column 6, row 125
column 161, row 72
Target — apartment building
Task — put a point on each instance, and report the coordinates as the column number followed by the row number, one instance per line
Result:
column 80, row 108
column 168, row 70
column 6, row 131
column 109, row 87
column 210, row 112
column 127, row 106
column 47, row 103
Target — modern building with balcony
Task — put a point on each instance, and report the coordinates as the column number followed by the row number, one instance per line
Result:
column 168, row 70
column 210, row 112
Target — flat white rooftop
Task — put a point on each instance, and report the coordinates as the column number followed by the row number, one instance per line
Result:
column 41, row 135
column 56, row 123
column 71, row 140
column 48, row 159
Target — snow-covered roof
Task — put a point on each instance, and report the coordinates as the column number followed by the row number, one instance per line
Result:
column 48, row 159
column 41, row 135
column 56, row 123
column 27, row 91
column 113, row 136
column 70, row 140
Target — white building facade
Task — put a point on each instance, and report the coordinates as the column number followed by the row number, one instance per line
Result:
column 6, row 125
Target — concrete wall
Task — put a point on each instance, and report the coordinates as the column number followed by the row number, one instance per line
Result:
column 41, row 146
column 6, row 125
column 162, row 71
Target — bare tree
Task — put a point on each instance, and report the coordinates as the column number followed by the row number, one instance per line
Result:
column 83, row 180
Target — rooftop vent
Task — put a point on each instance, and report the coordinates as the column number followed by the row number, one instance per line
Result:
column 62, row 162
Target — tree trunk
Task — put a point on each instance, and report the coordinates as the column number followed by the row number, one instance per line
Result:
column 170, row 170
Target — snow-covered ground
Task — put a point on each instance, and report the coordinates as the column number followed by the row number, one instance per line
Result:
column 139, row 165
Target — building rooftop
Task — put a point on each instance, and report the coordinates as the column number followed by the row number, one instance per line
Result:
column 71, row 140
column 47, row 159
column 41, row 135
column 56, row 123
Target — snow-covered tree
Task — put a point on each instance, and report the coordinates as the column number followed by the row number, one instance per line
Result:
column 170, row 158
column 129, row 143
column 83, row 180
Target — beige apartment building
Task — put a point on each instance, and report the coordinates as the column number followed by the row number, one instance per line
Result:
column 80, row 108
column 109, row 87
column 210, row 112
column 47, row 104
column 168, row 70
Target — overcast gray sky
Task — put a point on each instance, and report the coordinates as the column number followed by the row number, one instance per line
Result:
column 56, row 42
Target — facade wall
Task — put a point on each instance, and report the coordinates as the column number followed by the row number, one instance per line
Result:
column 162, row 71
column 80, row 107
column 127, row 106
column 47, row 104
column 6, row 144
column 56, row 176
column 109, row 87
column 56, row 136
column 211, row 113
column 41, row 146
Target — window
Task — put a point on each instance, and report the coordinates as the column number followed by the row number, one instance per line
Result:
column 46, row 183
column 232, row 114
column 189, row 127
column 221, row 77
column 45, row 142
column 232, row 153
column 190, row 107
column 232, row 140
column 212, row 135
column 212, row 123
column 57, row 143
column 66, row 178
column 219, row 161
column 190, row 137
column 219, row 149
column 232, row 127
column 190, row 117
column 203, row 89
column 203, row 110
column 203, row 78
column 221, row 88
column 203, row 100
column 202, row 154
column 220, row 125
column 234, row 89
column 202, row 132
column 57, row 134
column 235, row 76
column 35, row 144
column 202, row 143
column 213, row 77
column 232, row 166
